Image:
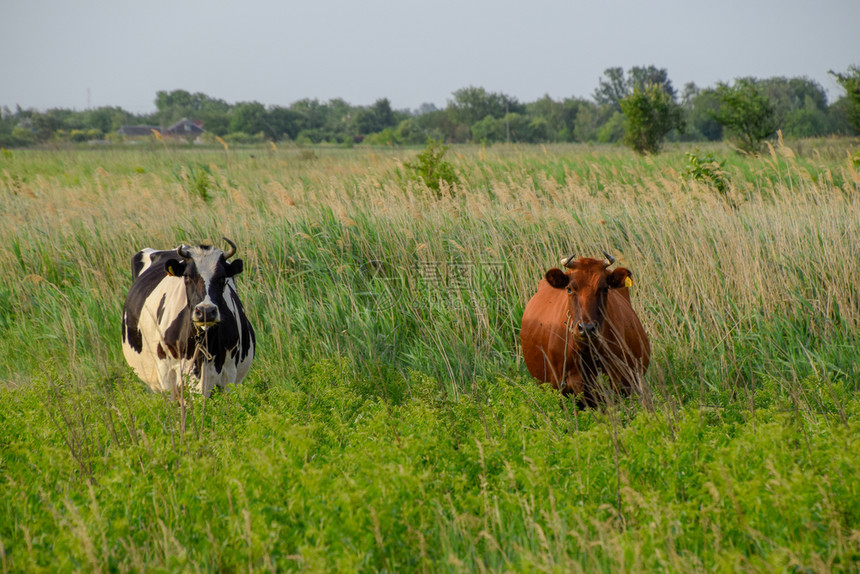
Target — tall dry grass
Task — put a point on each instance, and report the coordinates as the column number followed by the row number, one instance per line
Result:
column 713, row 274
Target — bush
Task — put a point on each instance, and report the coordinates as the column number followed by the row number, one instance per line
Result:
column 429, row 168
column 650, row 114
column 708, row 170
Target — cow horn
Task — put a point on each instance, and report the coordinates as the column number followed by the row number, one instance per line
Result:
column 609, row 259
column 232, row 252
column 568, row 261
column 183, row 252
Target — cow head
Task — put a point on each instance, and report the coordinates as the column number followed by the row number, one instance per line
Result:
column 205, row 270
column 588, row 282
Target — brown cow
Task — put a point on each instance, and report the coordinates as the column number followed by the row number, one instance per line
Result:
column 579, row 324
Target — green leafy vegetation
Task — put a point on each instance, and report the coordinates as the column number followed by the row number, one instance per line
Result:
column 388, row 422
column 706, row 169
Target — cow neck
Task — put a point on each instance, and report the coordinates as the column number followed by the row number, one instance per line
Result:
column 201, row 340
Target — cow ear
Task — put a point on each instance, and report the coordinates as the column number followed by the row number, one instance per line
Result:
column 174, row 268
column 557, row 278
column 621, row 277
column 234, row 267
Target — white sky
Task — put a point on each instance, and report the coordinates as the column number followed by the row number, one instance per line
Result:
column 122, row 52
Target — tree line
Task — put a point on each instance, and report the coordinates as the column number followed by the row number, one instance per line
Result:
column 639, row 107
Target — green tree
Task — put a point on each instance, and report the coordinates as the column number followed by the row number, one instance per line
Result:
column 177, row 104
column 613, row 86
column 553, row 120
column 800, row 105
column 46, row 124
column 171, row 105
column 489, row 130
column 746, row 113
column 513, row 127
column 376, row 118
column 215, row 121
column 540, row 130
column 589, row 119
column 850, row 82
column 331, row 121
column 643, row 76
column 571, row 108
column 699, row 107
column 806, row 123
column 520, row 128
column 474, row 104
column 436, row 124
column 650, row 114
column 282, row 122
column 311, row 112
column 548, row 118
column 410, row 132
column 213, row 113
column 338, row 126
column 11, row 134
column 248, row 118
column 105, row 119
column 610, row 130
column 471, row 105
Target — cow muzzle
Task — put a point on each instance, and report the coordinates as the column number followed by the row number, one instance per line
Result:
column 586, row 331
column 205, row 316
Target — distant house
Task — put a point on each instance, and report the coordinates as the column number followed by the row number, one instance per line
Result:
column 137, row 131
column 185, row 128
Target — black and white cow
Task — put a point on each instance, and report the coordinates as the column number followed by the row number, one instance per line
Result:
column 183, row 322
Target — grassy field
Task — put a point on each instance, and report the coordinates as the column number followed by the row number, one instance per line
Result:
column 388, row 423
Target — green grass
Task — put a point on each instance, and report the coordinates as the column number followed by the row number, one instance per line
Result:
column 388, row 422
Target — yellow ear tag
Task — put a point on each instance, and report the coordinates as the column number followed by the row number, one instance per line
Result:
column 170, row 271
column 628, row 282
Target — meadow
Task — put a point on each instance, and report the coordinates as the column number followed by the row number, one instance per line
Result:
column 388, row 423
